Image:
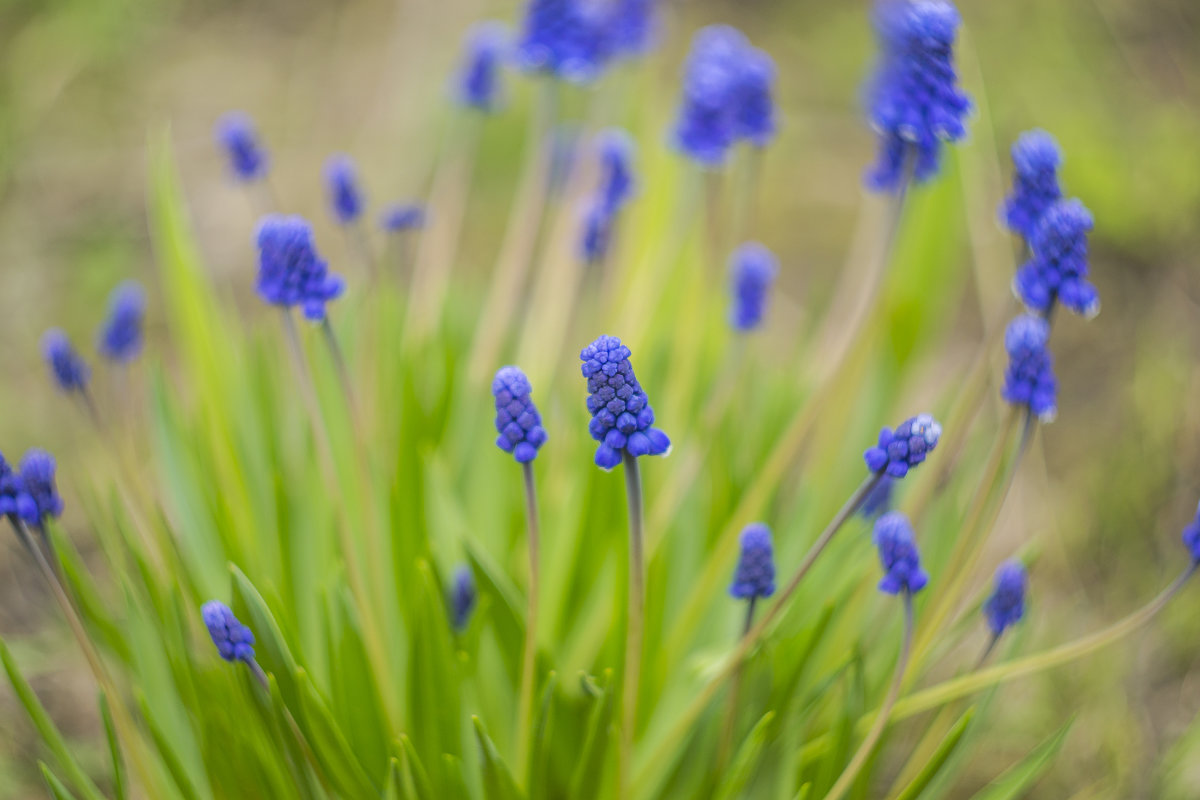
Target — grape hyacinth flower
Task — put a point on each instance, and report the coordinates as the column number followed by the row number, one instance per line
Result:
column 462, row 597
column 16, row 503
column 345, row 196
column 898, row 554
column 622, row 419
column 517, row 418
column 402, row 217
column 37, row 479
column 755, row 120
column 1058, row 269
column 1006, row 605
column 1036, row 157
column 1029, row 380
column 569, row 40
column 634, row 26
column 899, row 451
column 478, row 84
column 878, row 500
column 121, row 337
column 755, row 575
column 290, row 272
column 914, row 99
column 713, row 111
column 67, row 367
column 234, row 641
column 754, row 270
column 247, row 159
column 1191, row 537
column 615, row 188
column 597, row 233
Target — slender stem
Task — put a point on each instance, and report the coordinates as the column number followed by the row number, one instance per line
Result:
column 848, row 776
column 335, row 349
column 90, row 405
column 735, row 691
column 259, row 675
column 529, row 668
column 987, row 651
column 633, row 630
column 356, row 233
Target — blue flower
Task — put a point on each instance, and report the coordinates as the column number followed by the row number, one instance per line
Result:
column 290, row 273
column 69, row 370
column 708, row 120
column 1059, row 267
column 1029, row 380
column 462, row 597
column 234, row 640
column 1191, row 537
column 37, row 479
column 898, row 555
column 121, row 336
column 1006, row 605
column 914, row 100
column 634, row 25
column 567, row 39
column 754, row 270
column 517, row 419
column 755, row 119
column 899, row 451
column 622, row 420
column 345, row 196
column 479, row 76
column 616, row 168
column 247, row 160
column 879, row 499
column 597, row 233
column 755, row 576
column 402, row 217
column 1036, row 158
column 15, row 499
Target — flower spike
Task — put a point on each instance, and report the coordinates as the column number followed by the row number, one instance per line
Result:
column 622, row 420
column 899, row 451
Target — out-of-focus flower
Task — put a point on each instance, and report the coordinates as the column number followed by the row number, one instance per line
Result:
column 900, row 450
column 402, row 217
column 898, row 555
column 1036, row 158
column 1006, row 605
column 755, row 120
column 478, row 83
column 233, row 640
column 568, row 39
column 37, row 479
column 290, row 273
column 879, row 499
column 754, row 270
column 622, row 420
column 68, row 368
column 121, row 337
column 615, row 188
column 1059, row 267
column 1029, row 380
column 755, row 575
column 345, row 196
column 517, row 419
column 634, row 26
column 247, row 159
column 15, row 499
column 462, row 597
column 1191, row 537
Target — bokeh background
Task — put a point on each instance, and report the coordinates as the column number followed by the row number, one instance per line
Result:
column 1108, row 486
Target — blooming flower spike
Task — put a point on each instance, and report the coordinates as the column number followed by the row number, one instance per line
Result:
column 478, row 85
column 37, row 479
column 462, row 597
column 290, row 272
column 1029, row 380
column 754, row 270
column 1036, row 158
column 68, row 369
column 634, row 26
column 402, row 217
column 1059, row 267
column 233, row 640
column 247, row 159
column 345, row 196
column 1006, row 605
column 622, row 420
column 755, row 575
column 121, row 337
column 898, row 554
column 900, row 450
column 15, row 499
column 708, row 119
column 755, row 121
column 517, row 419
column 567, row 39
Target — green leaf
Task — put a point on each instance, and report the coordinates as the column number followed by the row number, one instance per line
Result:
column 742, row 769
column 271, row 648
column 114, row 748
column 418, row 776
column 543, row 735
column 944, row 750
column 329, row 744
column 498, row 783
column 55, row 786
column 589, row 775
column 1019, row 779
column 166, row 749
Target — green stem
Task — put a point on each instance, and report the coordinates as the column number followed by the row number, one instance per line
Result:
column 735, row 691
column 529, row 662
column 633, row 631
column 339, row 360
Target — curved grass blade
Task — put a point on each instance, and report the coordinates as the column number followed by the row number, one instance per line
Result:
column 934, row 765
column 1019, row 779
column 498, row 783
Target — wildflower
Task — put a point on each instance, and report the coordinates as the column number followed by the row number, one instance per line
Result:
column 517, row 419
column 597, row 233
column 1006, row 605
column 15, row 499
column 754, row 270
column 234, row 640
column 622, row 420
column 345, row 196
column 755, row 576
column 121, row 336
column 1191, row 537
column 755, row 119
column 247, row 160
column 879, row 499
column 616, row 168
column 898, row 555
column 70, row 371
column 479, row 76
column 290, row 272
column 1036, row 158
column 1029, row 380
column 708, row 119
column 37, row 479
column 899, row 451
column 633, row 25
column 1058, row 270
column 568, row 39
column 402, row 217
column 462, row 597
column 914, row 100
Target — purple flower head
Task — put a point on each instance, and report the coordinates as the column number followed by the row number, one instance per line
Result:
column 517, row 419
column 1036, row 158
column 68, row 369
column 754, row 270
column 462, row 597
column 616, row 151
column 1029, row 380
column 15, row 499
column 879, row 500
column 402, row 217
column 900, row 450
column 234, row 640
column 1006, row 605
column 37, row 479
column 914, row 100
column 478, row 83
column 290, row 272
column 755, row 575
column 634, row 26
column 755, row 119
column 345, row 196
column 1191, row 537
column 622, row 420
column 568, row 39
column 597, row 233
column 708, row 121
column 1059, row 267
column 121, row 337
column 898, row 555
column 235, row 133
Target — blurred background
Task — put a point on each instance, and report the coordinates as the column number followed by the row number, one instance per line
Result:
column 1110, row 485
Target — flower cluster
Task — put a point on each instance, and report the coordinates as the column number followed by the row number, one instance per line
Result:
column 234, row 641
column 615, row 188
column 1036, row 158
column 121, row 335
column 478, row 84
column 1006, row 605
column 1058, row 269
column 898, row 554
column 462, row 597
column 568, row 39
column 247, row 159
column 517, row 419
column 345, row 197
column 755, row 575
column 290, row 273
column 726, row 96
column 1191, row 537
column 754, row 270
column 1029, row 380
column 67, row 367
column 622, row 420
column 36, row 476
column 915, row 102
column 633, row 26
column 402, row 217
column 900, row 450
